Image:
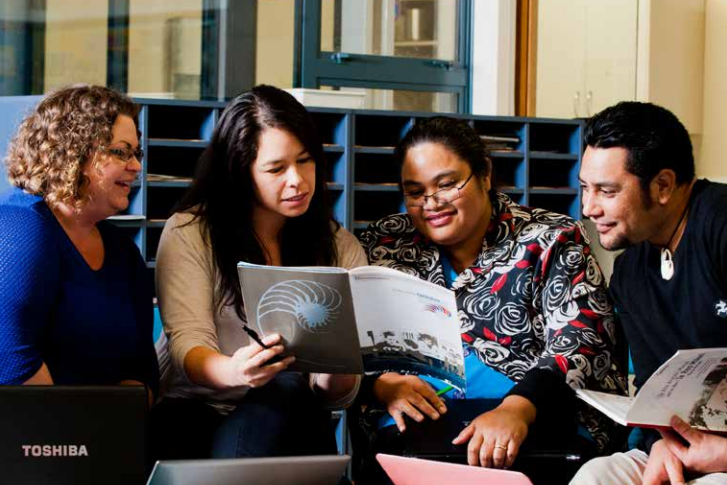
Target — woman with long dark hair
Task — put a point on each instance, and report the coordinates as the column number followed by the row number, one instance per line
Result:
column 259, row 196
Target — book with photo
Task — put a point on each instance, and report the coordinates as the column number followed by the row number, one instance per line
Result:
column 691, row 385
column 368, row 319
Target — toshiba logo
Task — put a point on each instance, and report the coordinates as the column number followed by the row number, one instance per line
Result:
column 44, row 451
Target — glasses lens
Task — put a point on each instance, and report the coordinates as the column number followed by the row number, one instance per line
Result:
column 117, row 152
column 447, row 195
column 442, row 196
column 126, row 154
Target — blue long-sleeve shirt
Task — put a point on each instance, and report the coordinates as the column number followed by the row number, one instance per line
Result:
column 89, row 327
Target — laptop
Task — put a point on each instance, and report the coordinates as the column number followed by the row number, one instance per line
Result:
column 68, row 435
column 414, row 471
column 297, row 470
column 432, row 439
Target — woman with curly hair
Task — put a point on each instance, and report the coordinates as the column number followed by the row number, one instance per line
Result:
column 75, row 297
column 259, row 196
column 535, row 316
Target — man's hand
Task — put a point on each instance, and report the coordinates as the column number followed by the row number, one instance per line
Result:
column 663, row 466
column 407, row 395
column 495, row 436
column 705, row 453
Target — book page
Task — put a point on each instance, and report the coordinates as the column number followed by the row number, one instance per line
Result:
column 690, row 385
column 311, row 308
column 407, row 325
column 126, row 217
column 297, row 269
column 614, row 406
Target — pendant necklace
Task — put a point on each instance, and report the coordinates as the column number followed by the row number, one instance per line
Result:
column 667, row 258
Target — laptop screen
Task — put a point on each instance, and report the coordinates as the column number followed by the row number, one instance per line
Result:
column 433, row 439
column 414, row 471
column 300, row 470
column 72, row 435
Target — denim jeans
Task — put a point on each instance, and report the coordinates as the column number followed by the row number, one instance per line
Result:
column 282, row 418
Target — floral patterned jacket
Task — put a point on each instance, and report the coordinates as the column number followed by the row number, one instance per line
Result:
column 534, row 299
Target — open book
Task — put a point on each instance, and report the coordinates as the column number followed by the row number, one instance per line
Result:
column 692, row 385
column 369, row 319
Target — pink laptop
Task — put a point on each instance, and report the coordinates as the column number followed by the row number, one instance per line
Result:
column 415, row 471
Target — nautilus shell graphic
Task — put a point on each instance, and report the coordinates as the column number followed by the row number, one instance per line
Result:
column 313, row 306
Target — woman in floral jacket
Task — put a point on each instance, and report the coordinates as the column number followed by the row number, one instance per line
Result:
column 536, row 319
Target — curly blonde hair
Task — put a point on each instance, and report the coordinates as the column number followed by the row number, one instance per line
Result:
column 59, row 138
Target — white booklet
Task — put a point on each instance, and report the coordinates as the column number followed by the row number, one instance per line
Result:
column 370, row 319
column 692, row 385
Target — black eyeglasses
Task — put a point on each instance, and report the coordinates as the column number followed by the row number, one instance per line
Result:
column 125, row 154
column 445, row 195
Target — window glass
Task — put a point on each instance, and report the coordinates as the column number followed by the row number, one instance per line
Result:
column 275, row 43
column 76, row 34
column 46, row 44
column 425, row 29
column 165, row 48
column 402, row 100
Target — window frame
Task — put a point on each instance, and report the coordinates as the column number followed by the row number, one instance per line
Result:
column 340, row 69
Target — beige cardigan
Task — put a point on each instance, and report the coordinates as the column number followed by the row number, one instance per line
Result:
column 187, row 284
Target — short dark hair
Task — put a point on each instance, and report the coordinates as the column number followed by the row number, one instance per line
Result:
column 222, row 195
column 457, row 135
column 653, row 136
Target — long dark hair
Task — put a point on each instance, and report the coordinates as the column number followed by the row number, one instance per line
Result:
column 222, row 195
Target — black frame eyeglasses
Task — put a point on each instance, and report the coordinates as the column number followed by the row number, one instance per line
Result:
column 446, row 195
column 125, row 154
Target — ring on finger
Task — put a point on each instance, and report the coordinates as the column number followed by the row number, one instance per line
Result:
column 501, row 447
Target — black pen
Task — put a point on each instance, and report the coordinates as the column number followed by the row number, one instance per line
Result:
column 253, row 335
